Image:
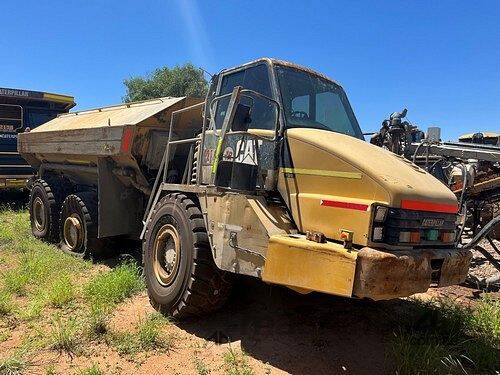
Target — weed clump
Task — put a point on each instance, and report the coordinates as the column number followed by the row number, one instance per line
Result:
column 6, row 303
column 236, row 363
column 110, row 288
column 93, row 370
column 61, row 292
column 63, row 335
column 148, row 336
column 13, row 365
column 441, row 336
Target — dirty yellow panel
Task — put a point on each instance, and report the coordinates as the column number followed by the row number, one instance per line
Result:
column 298, row 263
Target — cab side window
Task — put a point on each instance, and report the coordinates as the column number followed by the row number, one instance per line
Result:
column 263, row 113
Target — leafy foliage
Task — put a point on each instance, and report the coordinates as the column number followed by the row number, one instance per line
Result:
column 185, row 80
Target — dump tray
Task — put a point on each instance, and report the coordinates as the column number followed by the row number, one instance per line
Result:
column 131, row 135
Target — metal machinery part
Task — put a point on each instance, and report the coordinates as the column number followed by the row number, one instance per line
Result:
column 470, row 168
column 166, row 256
column 39, row 213
column 72, row 232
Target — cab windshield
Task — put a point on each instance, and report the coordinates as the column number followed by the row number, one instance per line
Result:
column 313, row 102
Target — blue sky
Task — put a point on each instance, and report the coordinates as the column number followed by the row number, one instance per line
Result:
column 440, row 59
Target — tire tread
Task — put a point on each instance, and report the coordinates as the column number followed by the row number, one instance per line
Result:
column 208, row 287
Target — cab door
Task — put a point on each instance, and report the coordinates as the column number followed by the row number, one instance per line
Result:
column 247, row 159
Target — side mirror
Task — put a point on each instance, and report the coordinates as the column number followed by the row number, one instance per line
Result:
column 242, row 118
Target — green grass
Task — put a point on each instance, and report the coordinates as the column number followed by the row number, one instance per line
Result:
column 64, row 335
column 201, row 367
column 442, row 337
column 14, row 225
column 51, row 370
column 61, row 292
column 33, row 309
column 38, row 271
column 4, row 335
column 486, row 317
column 15, row 281
column 125, row 343
column 6, row 303
column 13, row 365
column 236, row 363
column 92, row 370
column 149, row 333
column 39, row 264
column 148, row 336
column 97, row 321
column 110, row 288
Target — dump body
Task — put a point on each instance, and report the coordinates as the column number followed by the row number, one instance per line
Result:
column 115, row 151
column 128, row 134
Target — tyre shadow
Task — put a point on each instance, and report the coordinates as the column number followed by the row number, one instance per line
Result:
column 309, row 334
column 15, row 199
column 302, row 334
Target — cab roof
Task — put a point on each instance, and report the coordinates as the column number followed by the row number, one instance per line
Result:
column 274, row 61
column 30, row 95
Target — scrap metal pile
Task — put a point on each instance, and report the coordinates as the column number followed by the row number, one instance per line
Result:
column 471, row 169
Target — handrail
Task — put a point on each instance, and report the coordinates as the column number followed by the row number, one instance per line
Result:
column 163, row 168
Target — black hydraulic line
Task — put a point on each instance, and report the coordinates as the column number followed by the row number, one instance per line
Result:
column 482, row 233
column 464, row 183
column 493, row 245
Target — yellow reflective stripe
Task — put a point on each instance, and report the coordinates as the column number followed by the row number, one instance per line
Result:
column 216, row 156
column 58, row 98
column 320, row 172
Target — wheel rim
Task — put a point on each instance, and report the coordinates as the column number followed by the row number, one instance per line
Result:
column 73, row 232
column 39, row 214
column 166, row 254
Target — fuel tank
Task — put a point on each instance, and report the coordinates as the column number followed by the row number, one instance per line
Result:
column 330, row 182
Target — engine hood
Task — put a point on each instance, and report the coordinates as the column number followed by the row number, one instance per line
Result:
column 402, row 180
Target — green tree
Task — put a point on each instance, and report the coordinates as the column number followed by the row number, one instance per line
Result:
column 184, row 80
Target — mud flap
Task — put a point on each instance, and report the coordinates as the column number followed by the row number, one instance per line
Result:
column 300, row 264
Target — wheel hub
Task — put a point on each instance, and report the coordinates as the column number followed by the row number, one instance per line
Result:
column 73, row 233
column 166, row 254
column 39, row 214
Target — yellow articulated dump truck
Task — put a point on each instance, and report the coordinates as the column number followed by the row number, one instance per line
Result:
column 268, row 176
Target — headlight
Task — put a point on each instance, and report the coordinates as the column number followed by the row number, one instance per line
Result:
column 380, row 214
column 378, row 234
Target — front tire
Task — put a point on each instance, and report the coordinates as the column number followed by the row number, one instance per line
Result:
column 181, row 276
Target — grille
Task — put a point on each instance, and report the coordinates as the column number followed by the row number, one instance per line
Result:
column 417, row 221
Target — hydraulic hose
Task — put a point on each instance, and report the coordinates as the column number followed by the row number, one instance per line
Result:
column 482, row 233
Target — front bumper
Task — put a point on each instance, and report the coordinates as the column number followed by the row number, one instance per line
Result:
column 385, row 275
column 328, row 267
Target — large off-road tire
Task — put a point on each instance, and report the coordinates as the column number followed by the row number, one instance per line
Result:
column 78, row 225
column 44, row 205
column 181, row 276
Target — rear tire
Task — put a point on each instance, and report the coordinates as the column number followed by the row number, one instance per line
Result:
column 181, row 276
column 78, row 225
column 44, row 205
